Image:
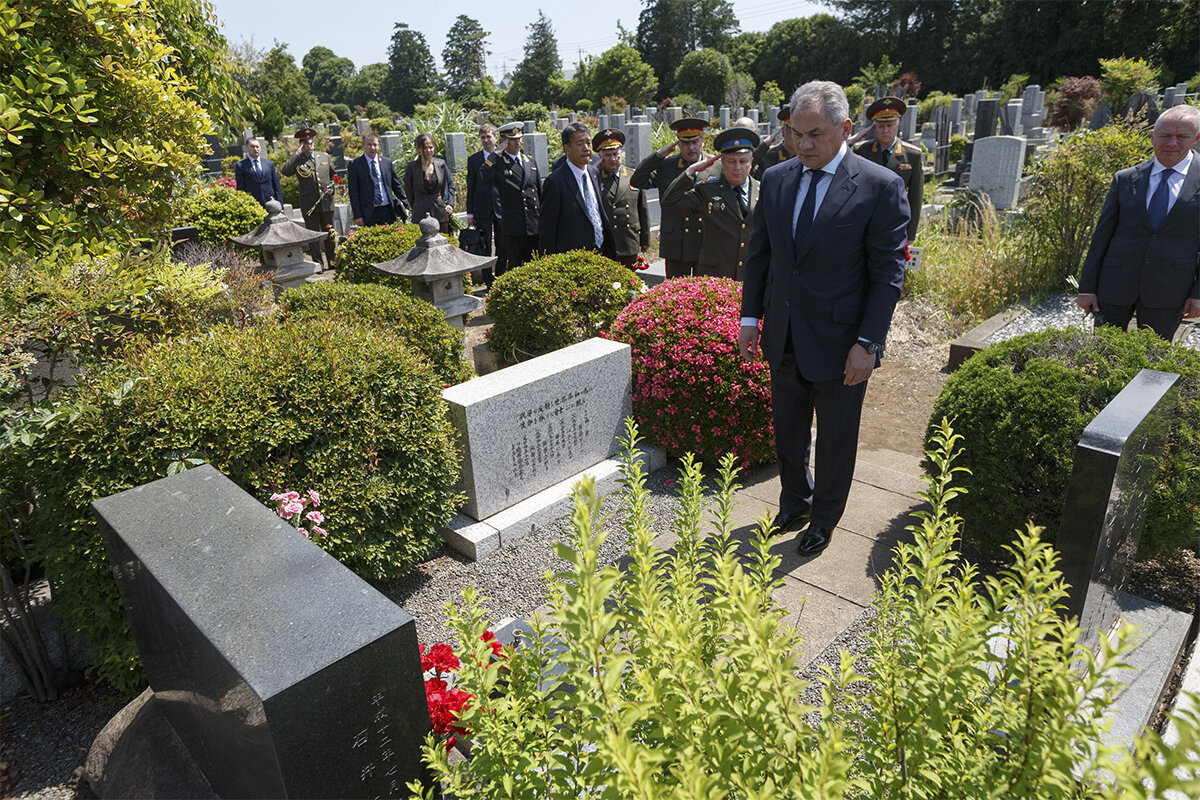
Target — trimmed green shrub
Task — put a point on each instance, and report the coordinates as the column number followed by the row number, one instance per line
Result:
column 419, row 323
column 1021, row 407
column 382, row 125
column 958, row 148
column 692, row 392
column 357, row 253
column 535, row 112
column 348, row 410
column 556, row 301
column 219, row 213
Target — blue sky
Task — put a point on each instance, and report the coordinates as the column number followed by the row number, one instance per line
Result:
column 361, row 31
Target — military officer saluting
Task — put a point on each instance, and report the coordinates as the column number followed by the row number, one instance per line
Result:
column 515, row 176
column 725, row 202
column 680, row 234
column 772, row 151
column 627, row 209
column 314, row 174
column 906, row 160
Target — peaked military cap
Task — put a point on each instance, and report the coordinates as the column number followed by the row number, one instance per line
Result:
column 305, row 132
column 513, row 130
column 785, row 113
column 608, row 139
column 688, row 128
column 736, row 140
column 886, row 108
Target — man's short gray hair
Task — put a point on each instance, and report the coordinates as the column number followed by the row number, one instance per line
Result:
column 825, row 95
column 1186, row 113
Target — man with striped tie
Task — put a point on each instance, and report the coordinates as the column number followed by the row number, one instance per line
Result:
column 376, row 195
column 572, row 216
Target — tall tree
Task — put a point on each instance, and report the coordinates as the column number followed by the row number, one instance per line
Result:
column 464, row 57
column 538, row 78
column 620, row 72
column 670, row 29
column 795, row 51
column 366, row 85
column 278, row 79
column 328, row 74
column 412, row 77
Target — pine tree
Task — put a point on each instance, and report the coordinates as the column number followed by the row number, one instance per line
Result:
column 538, row 78
column 464, row 57
column 412, row 77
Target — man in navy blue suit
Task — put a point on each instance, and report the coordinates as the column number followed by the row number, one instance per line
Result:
column 824, row 272
column 572, row 215
column 257, row 176
column 483, row 202
column 376, row 195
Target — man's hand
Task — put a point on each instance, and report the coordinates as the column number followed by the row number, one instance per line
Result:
column 666, row 151
column 358, row 221
column 1191, row 308
column 1087, row 302
column 700, row 166
column 774, row 137
column 859, row 365
column 748, row 342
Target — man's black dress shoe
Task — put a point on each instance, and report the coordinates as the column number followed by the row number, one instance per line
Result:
column 814, row 540
column 784, row 522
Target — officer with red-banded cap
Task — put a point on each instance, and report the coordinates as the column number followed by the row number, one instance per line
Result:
column 906, row 160
column 626, row 206
column 772, row 151
column 680, row 235
column 314, row 177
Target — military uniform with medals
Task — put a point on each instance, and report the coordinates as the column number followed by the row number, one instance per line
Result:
column 679, row 235
column 726, row 226
column 906, row 160
column 314, row 175
column 517, row 181
column 626, row 206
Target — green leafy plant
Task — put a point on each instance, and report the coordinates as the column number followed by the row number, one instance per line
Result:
column 422, row 325
column 530, row 111
column 692, row 392
column 349, row 410
column 958, row 147
column 855, row 95
column 1021, row 407
column 220, row 213
column 555, row 301
column 1122, row 78
column 358, row 253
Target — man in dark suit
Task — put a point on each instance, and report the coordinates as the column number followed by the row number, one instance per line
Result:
column 375, row 191
column 1145, row 252
column 257, row 176
column 824, row 272
column 628, row 213
column 572, row 216
column 515, row 176
column 483, row 203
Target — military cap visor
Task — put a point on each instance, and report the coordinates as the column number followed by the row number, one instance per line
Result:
column 688, row 128
column 736, row 140
column 304, row 134
column 886, row 108
column 608, row 139
column 785, row 114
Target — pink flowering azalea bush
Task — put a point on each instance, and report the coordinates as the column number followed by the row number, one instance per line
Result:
column 691, row 390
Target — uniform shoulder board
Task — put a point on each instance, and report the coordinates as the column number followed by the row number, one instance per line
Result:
column 909, row 146
column 711, row 179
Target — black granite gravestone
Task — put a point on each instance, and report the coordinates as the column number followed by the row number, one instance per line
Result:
column 1115, row 464
column 1142, row 104
column 282, row 672
column 986, row 114
column 941, row 151
column 1101, row 117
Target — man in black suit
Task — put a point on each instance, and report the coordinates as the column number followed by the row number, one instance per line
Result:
column 257, row 176
column 572, row 215
column 824, row 272
column 483, row 202
column 1145, row 252
column 515, row 176
column 375, row 190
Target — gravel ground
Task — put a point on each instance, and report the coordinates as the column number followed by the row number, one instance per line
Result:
column 1060, row 311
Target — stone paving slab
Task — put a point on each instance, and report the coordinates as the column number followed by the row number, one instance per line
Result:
column 818, row 615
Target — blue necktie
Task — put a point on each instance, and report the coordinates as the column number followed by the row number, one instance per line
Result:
column 257, row 170
column 1159, row 202
column 807, row 208
column 380, row 200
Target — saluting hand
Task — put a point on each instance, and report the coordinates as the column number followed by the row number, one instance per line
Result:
column 700, row 166
column 666, row 151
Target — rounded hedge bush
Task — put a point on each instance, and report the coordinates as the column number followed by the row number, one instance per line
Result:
column 556, row 301
column 349, row 411
column 418, row 322
column 692, row 392
column 365, row 247
column 220, row 213
column 1021, row 407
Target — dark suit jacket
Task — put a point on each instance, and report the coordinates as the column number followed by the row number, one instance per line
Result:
column 679, row 235
column 844, row 282
column 564, row 223
column 424, row 203
column 483, row 202
column 261, row 189
column 726, row 231
column 1127, row 261
column 520, row 191
column 362, row 189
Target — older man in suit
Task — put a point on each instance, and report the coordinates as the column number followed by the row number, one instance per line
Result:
column 515, row 176
column 572, row 216
column 824, row 272
column 375, row 191
column 256, row 176
column 483, row 202
column 1145, row 252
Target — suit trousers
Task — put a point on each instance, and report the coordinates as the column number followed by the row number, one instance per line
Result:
column 492, row 230
column 1163, row 321
column 838, row 410
column 520, row 249
column 382, row 215
column 320, row 220
column 679, row 269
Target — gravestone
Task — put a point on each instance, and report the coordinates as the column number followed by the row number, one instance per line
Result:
column 335, row 129
column 996, row 168
column 602, row 121
column 530, row 126
column 1103, row 116
column 553, row 115
column 337, row 154
column 956, row 112
column 389, row 145
column 724, row 117
column 908, row 122
column 638, row 143
column 560, row 124
column 1010, row 118
column 456, row 151
column 702, row 115
column 1116, row 461
column 753, row 114
column 281, row 672
column 942, row 126
column 212, row 159
column 617, row 121
column 986, row 112
column 675, row 113
column 639, row 118
column 1142, row 103
column 571, row 116
column 773, row 117
column 969, row 102
column 364, row 126
column 535, row 145
column 1169, row 95
column 928, row 136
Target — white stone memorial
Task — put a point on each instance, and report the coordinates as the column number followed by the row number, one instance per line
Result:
column 996, row 168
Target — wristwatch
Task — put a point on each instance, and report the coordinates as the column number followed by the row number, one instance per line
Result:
column 871, row 347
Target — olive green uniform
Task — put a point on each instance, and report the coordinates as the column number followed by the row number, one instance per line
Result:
column 726, row 230
column 766, row 157
column 314, row 174
column 907, row 161
column 679, row 234
column 628, row 212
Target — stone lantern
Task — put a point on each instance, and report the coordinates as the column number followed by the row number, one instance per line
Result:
column 283, row 244
column 435, row 268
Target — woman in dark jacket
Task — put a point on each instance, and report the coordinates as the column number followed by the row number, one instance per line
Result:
column 428, row 185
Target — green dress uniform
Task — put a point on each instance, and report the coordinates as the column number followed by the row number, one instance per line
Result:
column 628, row 212
column 314, row 174
column 766, row 156
column 726, row 229
column 907, row 161
column 679, row 234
